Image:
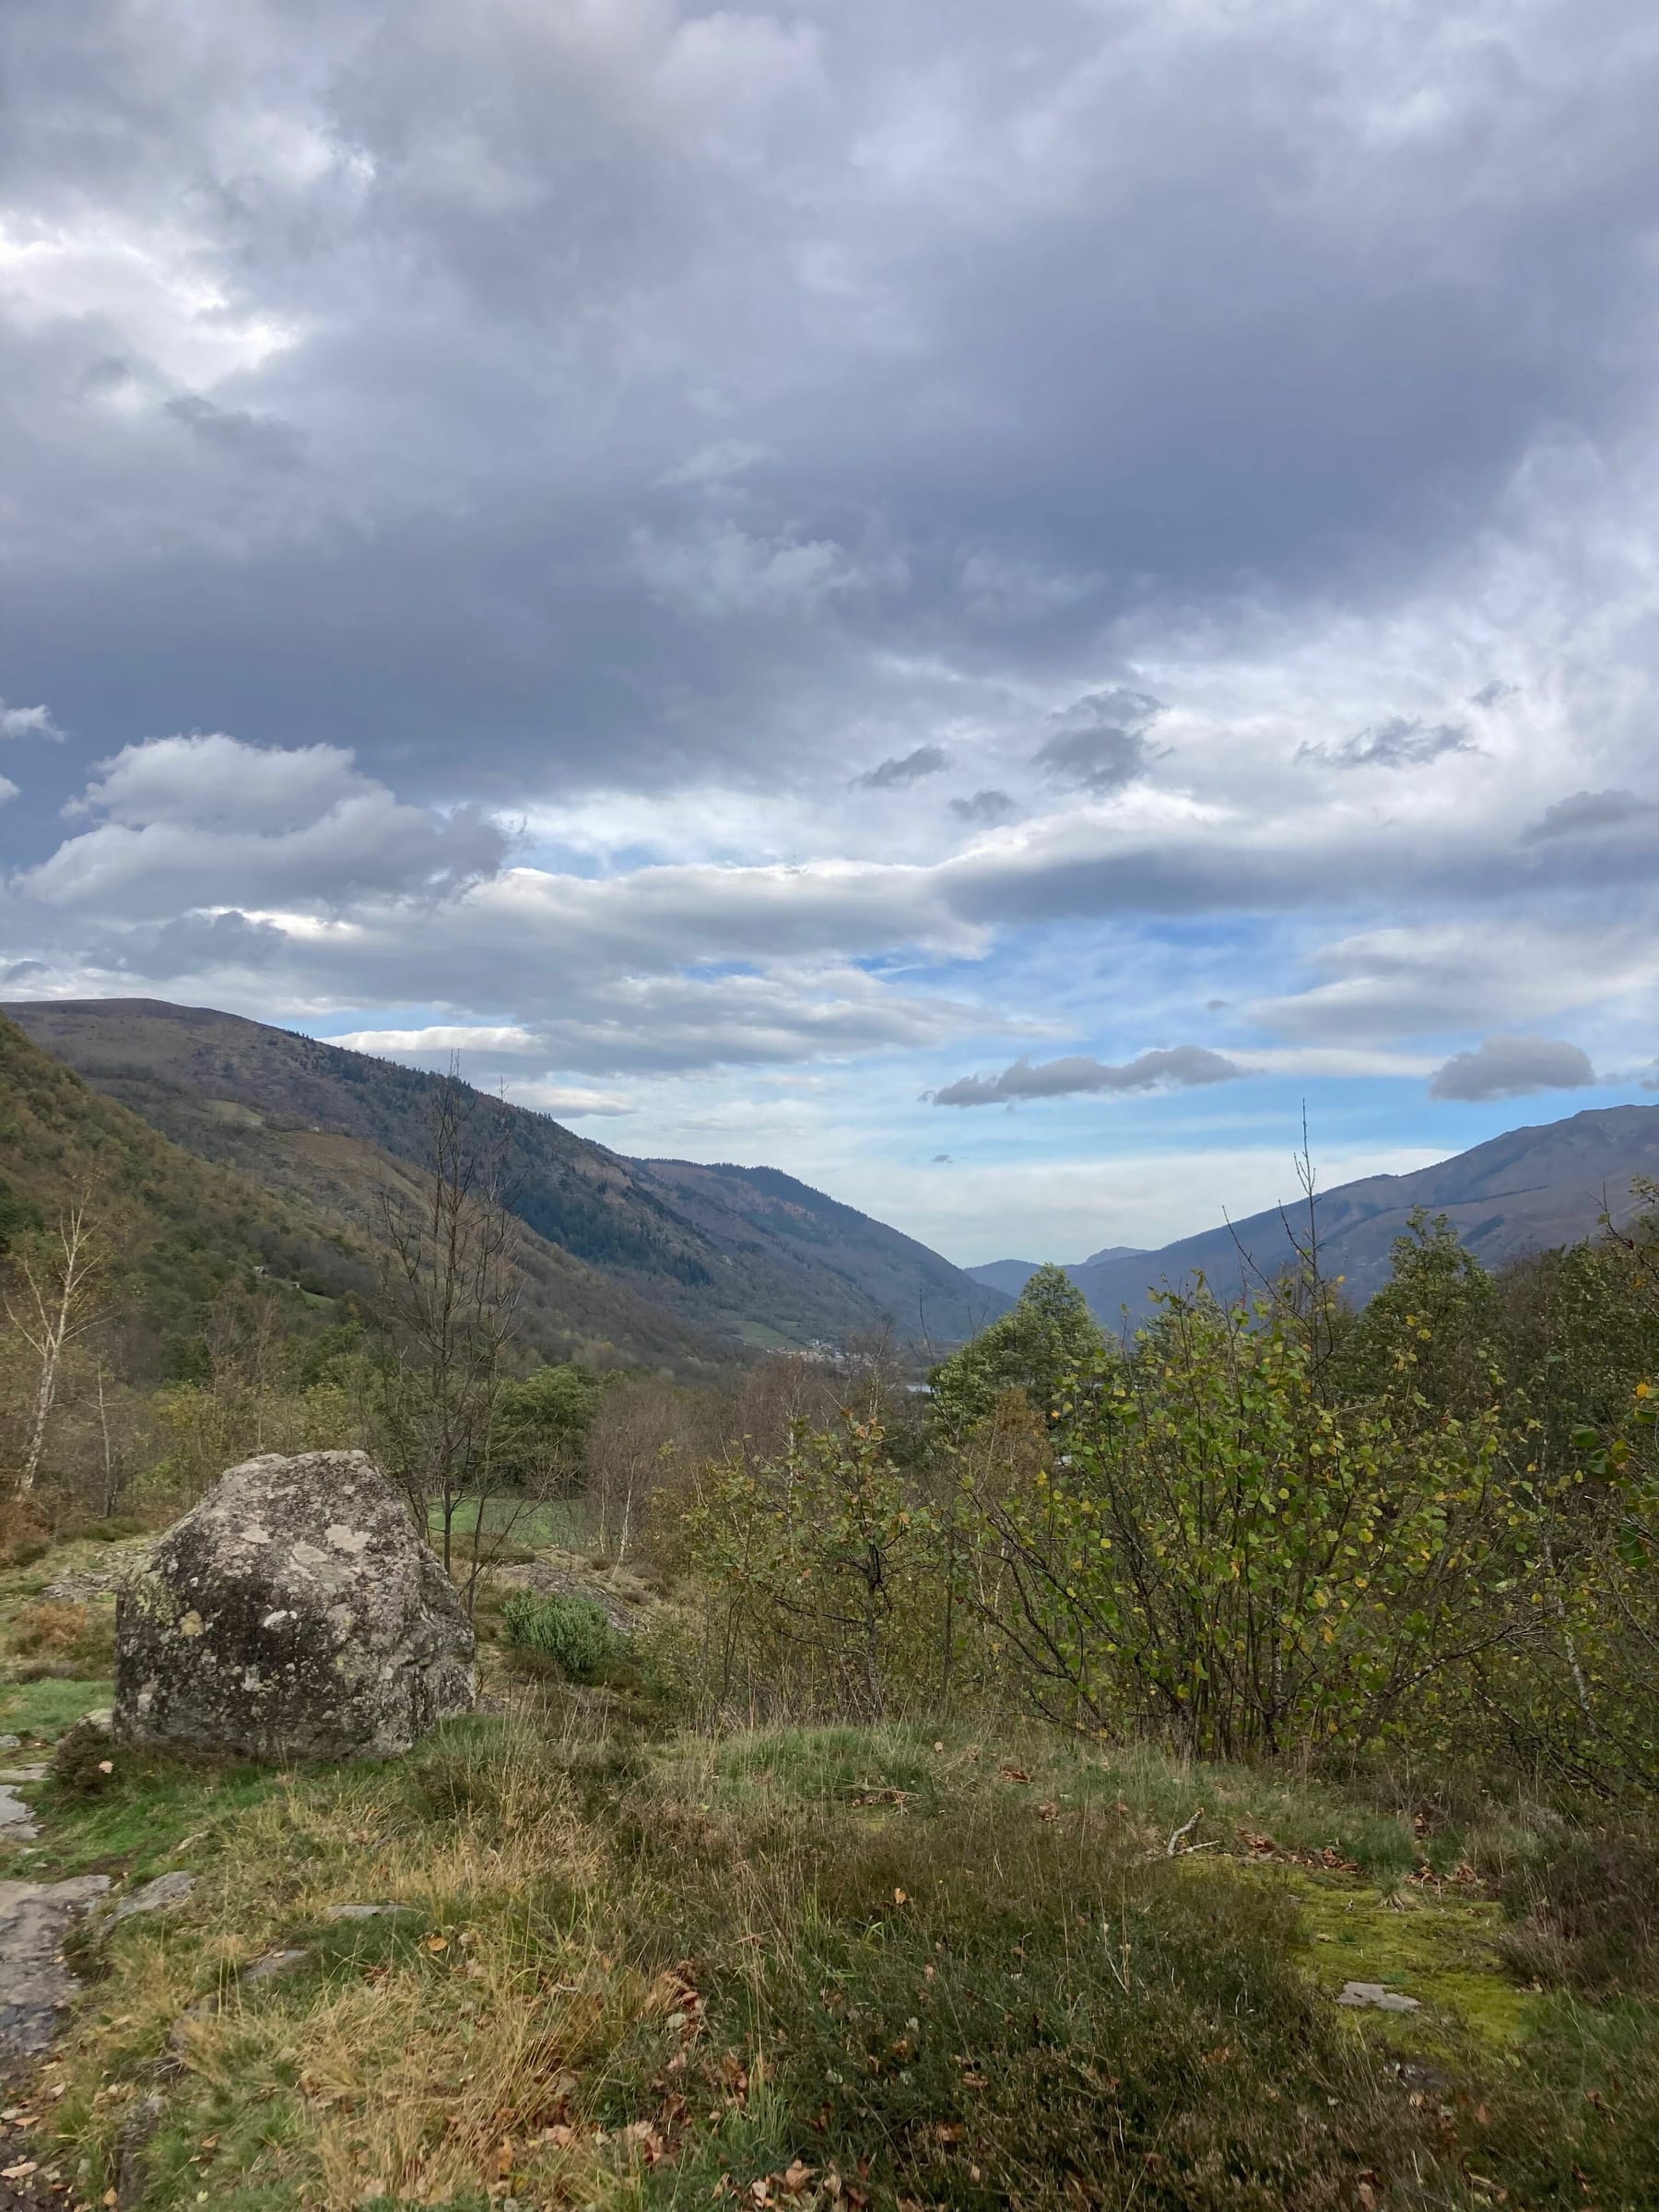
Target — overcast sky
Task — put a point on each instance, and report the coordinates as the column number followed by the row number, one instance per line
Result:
column 971, row 598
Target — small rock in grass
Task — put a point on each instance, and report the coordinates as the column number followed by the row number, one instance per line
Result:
column 16, row 1819
column 143, row 2118
column 162, row 1895
column 274, row 1963
column 359, row 1911
column 1373, row 1992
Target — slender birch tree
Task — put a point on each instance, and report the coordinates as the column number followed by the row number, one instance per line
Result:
column 57, row 1298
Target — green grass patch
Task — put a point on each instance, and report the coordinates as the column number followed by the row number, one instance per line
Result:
column 43, row 1710
column 942, row 1970
column 537, row 1524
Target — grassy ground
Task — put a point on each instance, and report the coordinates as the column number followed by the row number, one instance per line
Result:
column 834, row 1966
column 561, row 1521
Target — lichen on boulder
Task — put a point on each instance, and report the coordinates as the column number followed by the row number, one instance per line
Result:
column 295, row 1613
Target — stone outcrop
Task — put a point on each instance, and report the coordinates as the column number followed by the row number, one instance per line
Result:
column 293, row 1614
column 35, row 1984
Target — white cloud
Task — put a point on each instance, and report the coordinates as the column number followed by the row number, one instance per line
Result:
column 435, row 1045
column 28, row 722
column 568, row 1102
column 216, row 782
column 724, row 570
column 208, row 822
column 1392, row 984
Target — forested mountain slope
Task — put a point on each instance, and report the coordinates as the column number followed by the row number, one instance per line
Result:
column 796, row 1233
column 309, row 1208
column 743, row 1252
column 169, row 1230
column 1526, row 1191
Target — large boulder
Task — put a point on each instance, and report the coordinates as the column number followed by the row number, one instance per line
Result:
column 293, row 1614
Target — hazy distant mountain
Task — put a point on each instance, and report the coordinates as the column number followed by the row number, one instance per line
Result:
column 743, row 1253
column 1012, row 1276
column 1524, row 1192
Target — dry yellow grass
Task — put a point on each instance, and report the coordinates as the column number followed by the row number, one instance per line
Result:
column 441, row 2062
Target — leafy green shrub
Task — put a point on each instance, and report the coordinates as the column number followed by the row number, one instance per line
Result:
column 571, row 1631
column 1223, row 1556
column 826, row 1579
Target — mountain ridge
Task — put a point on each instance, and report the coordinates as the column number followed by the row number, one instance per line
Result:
column 1543, row 1184
column 748, row 1256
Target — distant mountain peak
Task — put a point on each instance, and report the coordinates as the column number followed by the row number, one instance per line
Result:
column 1525, row 1191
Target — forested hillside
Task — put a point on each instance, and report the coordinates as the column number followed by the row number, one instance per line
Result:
column 180, row 1223
column 745, row 1253
column 174, row 1231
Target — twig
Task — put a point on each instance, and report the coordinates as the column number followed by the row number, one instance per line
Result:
column 1171, row 1848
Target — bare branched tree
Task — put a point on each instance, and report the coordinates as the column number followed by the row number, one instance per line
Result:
column 451, row 1294
column 59, row 1297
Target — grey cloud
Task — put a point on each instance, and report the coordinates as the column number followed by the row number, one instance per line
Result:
column 1510, row 1067
column 20, row 971
column 193, row 942
column 8, row 790
column 517, row 271
column 539, row 283
column 1399, row 743
column 1181, row 1067
column 1098, row 761
column 107, row 373
column 1492, row 694
column 1586, row 811
column 1100, row 743
column 905, row 768
column 264, row 440
column 985, row 810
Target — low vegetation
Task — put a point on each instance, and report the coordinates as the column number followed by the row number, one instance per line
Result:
column 977, row 1797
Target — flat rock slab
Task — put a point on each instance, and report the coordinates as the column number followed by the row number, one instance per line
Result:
column 1373, row 1992
column 165, row 1894
column 362, row 1911
column 35, row 1984
column 99, row 1578
column 17, row 1818
column 272, row 1965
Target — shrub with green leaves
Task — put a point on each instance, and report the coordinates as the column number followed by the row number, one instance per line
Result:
column 1222, row 1556
column 824, row 1568
column 571, row 1631
column 1039, row 1347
